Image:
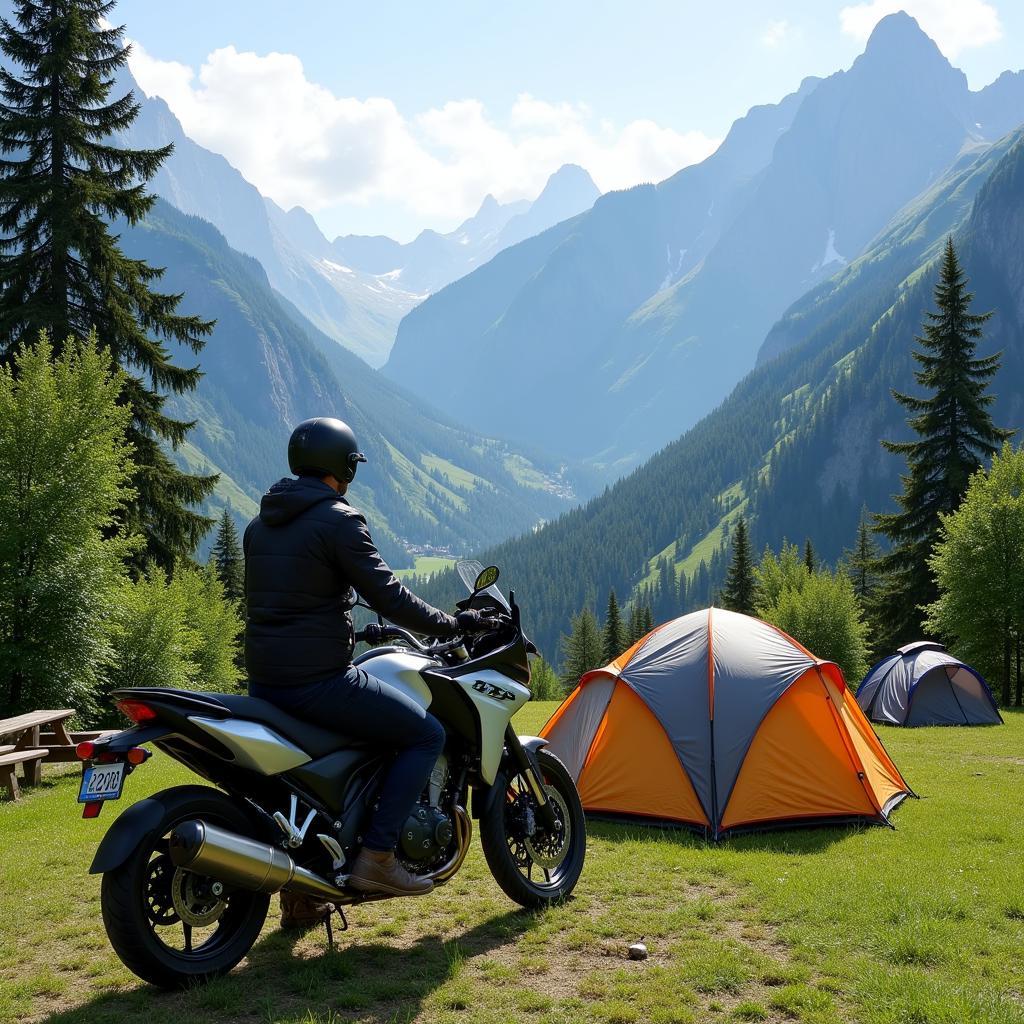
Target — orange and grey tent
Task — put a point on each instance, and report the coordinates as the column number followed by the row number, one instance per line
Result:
column 722, row 722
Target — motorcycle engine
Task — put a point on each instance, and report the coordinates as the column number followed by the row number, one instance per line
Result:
column 426, row 834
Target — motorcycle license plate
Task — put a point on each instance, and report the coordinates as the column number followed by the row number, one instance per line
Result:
column 101, row 782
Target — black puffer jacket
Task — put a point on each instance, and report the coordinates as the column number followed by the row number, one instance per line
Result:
column 304, row 553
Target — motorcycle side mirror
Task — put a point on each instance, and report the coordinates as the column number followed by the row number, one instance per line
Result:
column 487, row 578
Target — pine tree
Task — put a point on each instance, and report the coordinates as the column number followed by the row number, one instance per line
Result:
column 581, row 650
column 955, row 433
column 666, row 600
column 61, row 270
column 647, row 618
column 613, row 637
column 682, row 599
column 703, row 585
column 862, row 560
column 636, row 623
column 738, row 594
column 810, row 560
column 227, row 559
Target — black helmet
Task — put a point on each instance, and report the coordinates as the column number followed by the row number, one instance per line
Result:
column 324, row 446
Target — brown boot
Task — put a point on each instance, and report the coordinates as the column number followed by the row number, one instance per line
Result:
column 379, row 872
column 299, row 912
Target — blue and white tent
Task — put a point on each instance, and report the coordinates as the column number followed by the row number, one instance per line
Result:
column 923, row 684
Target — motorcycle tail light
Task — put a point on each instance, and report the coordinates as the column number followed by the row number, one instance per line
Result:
column 136, row 710
column 84, row 751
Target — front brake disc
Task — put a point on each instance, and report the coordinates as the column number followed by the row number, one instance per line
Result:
column 548, row 849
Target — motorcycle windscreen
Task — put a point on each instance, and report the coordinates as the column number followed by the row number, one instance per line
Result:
column 469, row 569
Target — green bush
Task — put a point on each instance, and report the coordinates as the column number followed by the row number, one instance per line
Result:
column 819, row 609
column 978, row 565
column 179, row 632
column 216, row 630
column 544, row 683
column 778, row 573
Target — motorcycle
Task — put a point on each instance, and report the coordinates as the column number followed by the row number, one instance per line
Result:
column 187, row 874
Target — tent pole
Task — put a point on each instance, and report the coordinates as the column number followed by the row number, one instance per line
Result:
column 952, row 689
column 851, row 750
column 711, row 728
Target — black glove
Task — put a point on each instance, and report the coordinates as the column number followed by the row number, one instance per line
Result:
column 470, row 620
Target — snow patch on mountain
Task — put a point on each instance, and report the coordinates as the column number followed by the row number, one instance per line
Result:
column 336, row 267
column 831, row 255
column 673, row 271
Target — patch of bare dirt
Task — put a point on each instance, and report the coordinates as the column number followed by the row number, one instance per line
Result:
column 561, row 966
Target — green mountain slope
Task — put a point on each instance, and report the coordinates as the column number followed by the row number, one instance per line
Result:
column 428, row 483
column 796, row 443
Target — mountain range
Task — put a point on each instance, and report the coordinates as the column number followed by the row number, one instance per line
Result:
column 354, row 289
column 428, row 483
column 282, row 302
column 890, row 155
column 433, row 260
column 628, row 323
column 760, row 304
column 795, row 446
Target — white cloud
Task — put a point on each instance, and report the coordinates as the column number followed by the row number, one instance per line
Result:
column 775, row 33
column 955, row 25
column 300, row 144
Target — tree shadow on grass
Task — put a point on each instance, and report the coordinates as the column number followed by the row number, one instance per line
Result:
column 373, row 981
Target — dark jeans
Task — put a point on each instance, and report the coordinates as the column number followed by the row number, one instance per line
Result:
column 357, row 704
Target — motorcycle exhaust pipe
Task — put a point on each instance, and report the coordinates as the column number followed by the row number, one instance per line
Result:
column 228, row 857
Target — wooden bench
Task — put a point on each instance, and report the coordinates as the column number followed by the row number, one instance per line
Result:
column 57, row 752
column 24, row 732
column 10, row 761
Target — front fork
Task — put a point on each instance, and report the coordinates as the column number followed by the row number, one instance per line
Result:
column 527, row 765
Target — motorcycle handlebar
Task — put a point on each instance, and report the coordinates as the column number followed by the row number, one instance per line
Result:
column 376, row 633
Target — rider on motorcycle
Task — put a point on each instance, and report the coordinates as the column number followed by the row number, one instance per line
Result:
column 306, row 554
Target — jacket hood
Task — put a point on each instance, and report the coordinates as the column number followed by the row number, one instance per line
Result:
column 289, row 498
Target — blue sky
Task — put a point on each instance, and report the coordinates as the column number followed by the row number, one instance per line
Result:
column 390, row 117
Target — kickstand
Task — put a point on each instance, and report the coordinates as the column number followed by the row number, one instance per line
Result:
column 330, row 929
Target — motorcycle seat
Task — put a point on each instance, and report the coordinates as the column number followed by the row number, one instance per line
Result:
column 315, row 740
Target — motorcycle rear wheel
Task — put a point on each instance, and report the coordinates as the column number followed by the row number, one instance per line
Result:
column 143, row 899
column 534, row 868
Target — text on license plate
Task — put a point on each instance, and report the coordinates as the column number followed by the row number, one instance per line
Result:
column 101, row 782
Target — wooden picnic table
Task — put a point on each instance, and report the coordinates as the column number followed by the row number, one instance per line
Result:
column 22, row 735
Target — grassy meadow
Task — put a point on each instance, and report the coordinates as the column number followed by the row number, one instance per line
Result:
column 923, row 924
column 426, row 565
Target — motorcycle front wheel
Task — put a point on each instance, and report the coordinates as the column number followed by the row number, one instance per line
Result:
column 171, row 927
column 534, row 866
